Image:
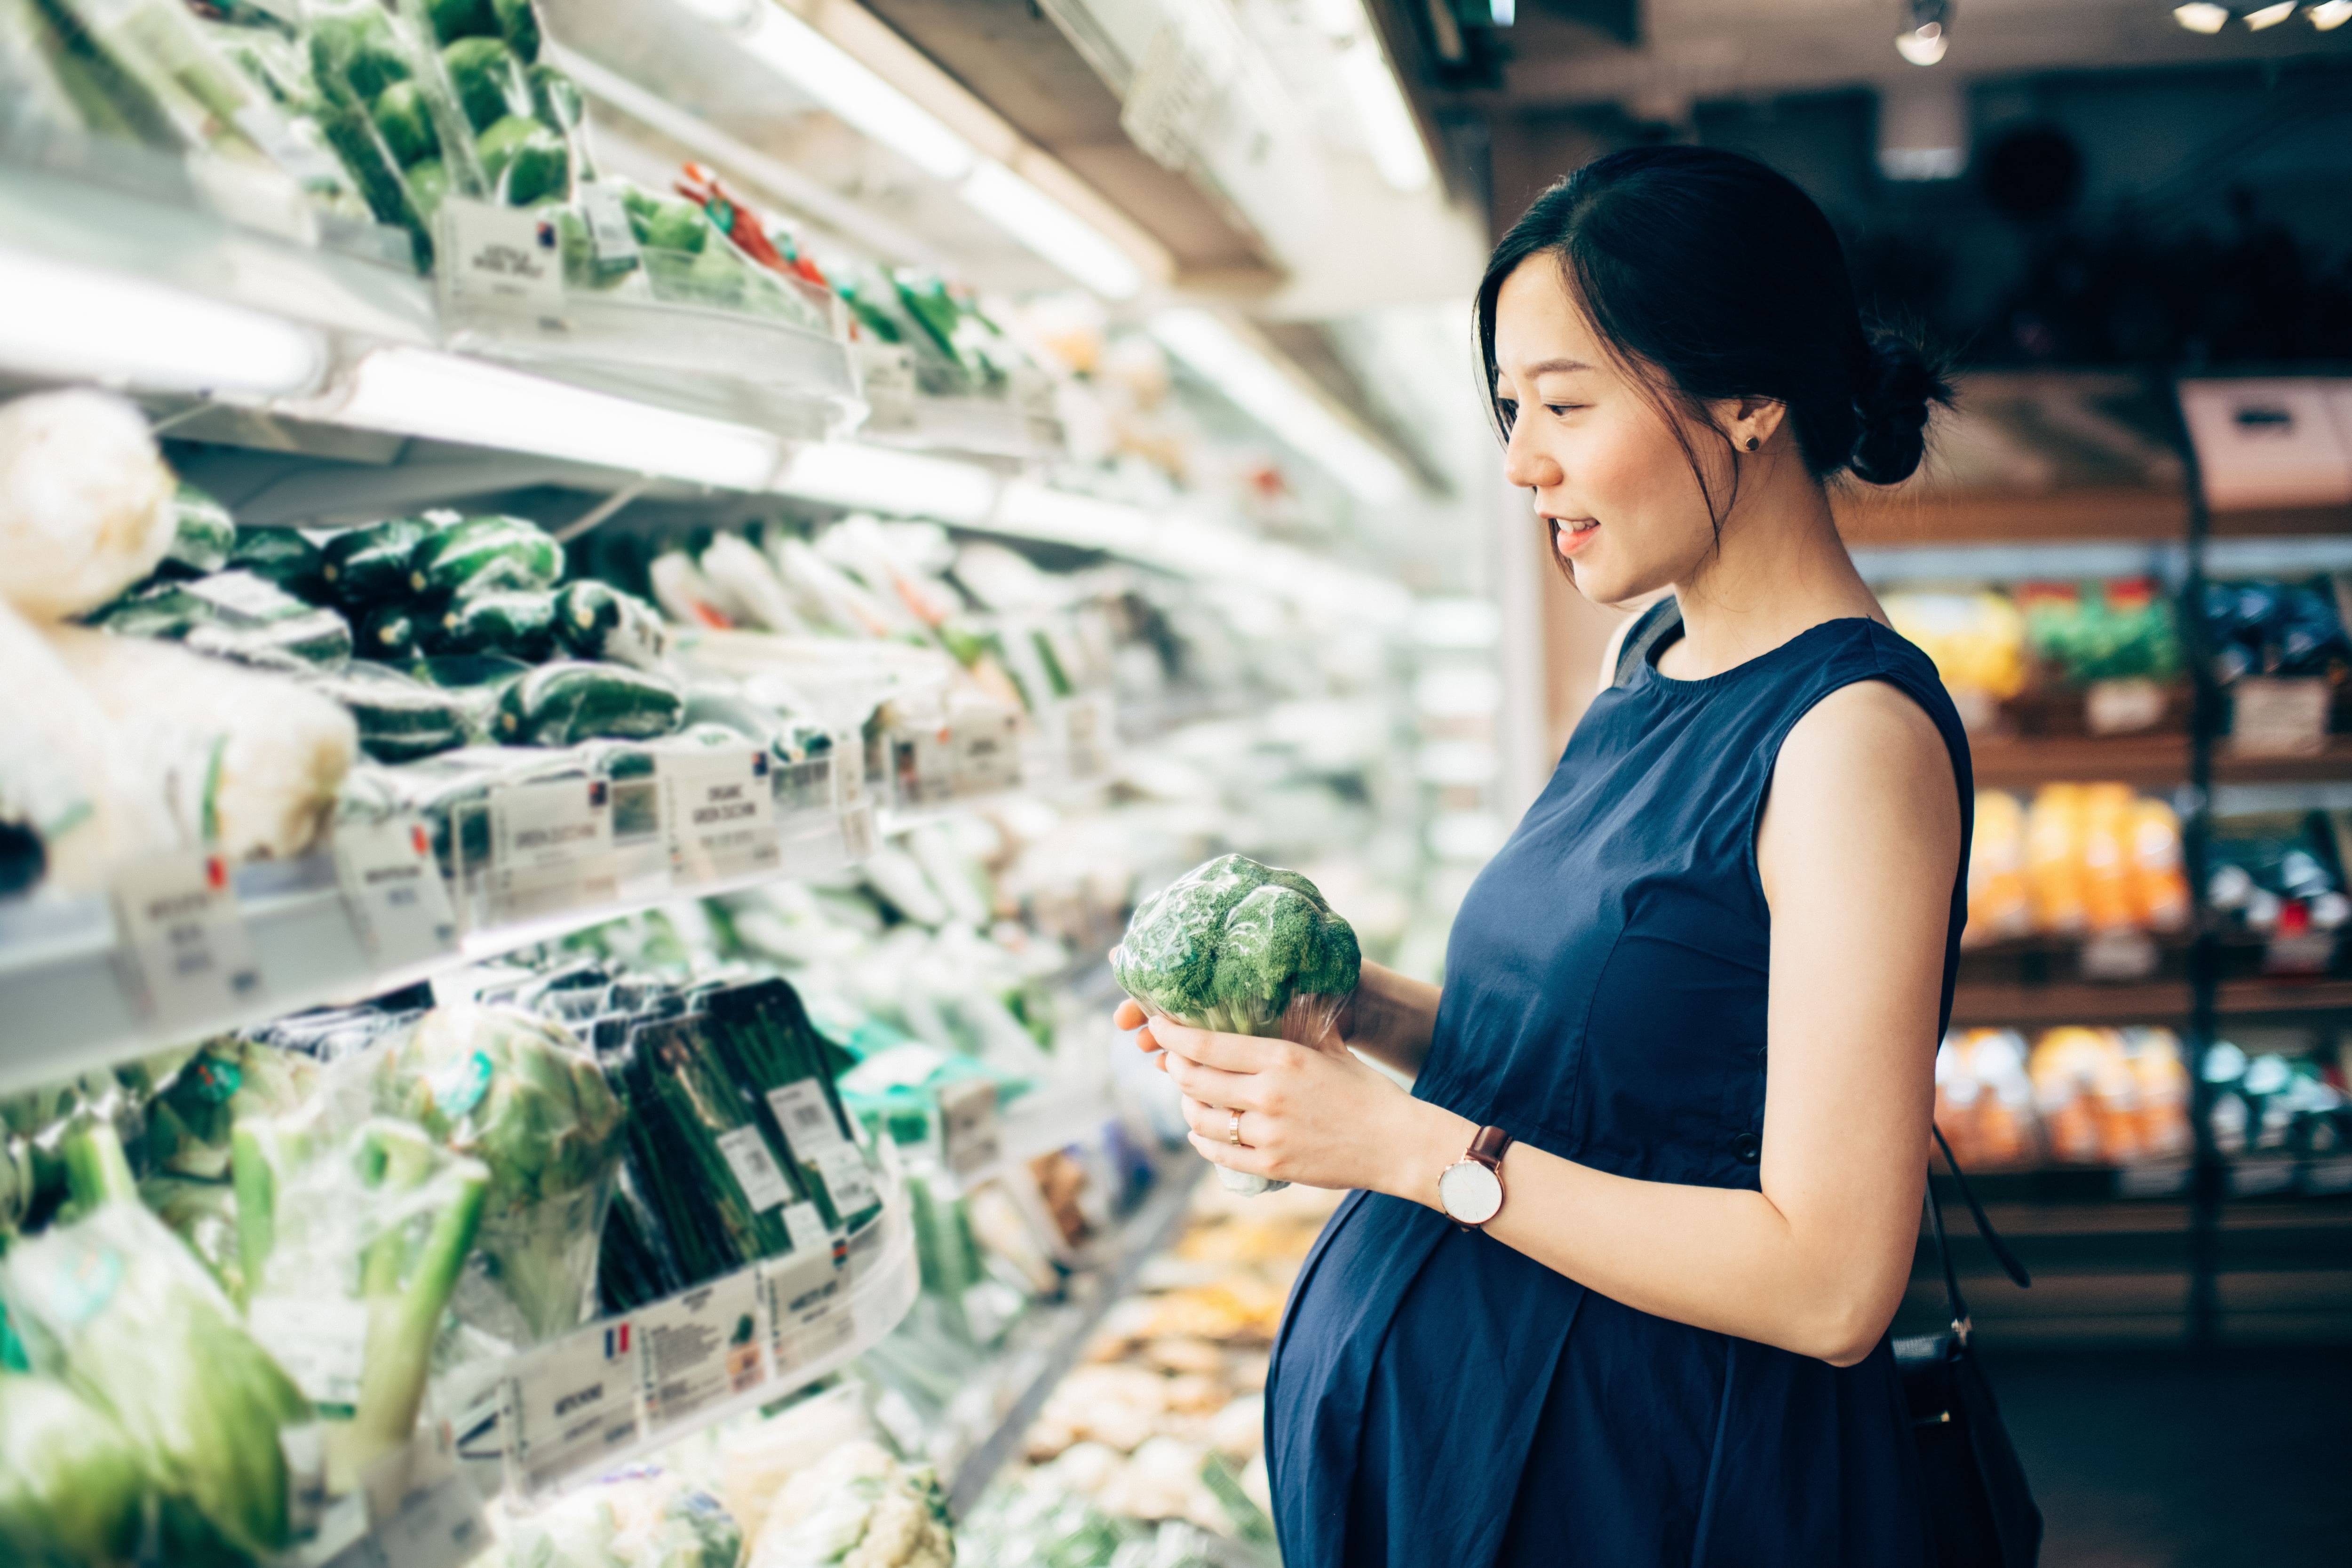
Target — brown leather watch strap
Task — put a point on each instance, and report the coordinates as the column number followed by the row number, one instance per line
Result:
column 1489, row 1147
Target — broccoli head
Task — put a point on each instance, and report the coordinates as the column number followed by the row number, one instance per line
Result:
column 1230, row 944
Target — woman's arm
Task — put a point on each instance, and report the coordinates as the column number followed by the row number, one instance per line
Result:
column 1858, row 850
column 1391, row 1018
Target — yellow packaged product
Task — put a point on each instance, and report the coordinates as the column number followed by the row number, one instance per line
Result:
column 2161, row 886
column 2001, row 907
column 2054, row 859
column 2110, row 884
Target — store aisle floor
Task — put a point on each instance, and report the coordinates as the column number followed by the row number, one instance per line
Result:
column 2149, row 1459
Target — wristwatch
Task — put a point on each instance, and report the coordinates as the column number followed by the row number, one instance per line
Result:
column 1471, row 1189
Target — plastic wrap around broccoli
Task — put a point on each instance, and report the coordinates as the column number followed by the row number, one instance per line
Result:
column 1244, row 949
column 70, row 1484
column 1238, row 947
column 523, row 1097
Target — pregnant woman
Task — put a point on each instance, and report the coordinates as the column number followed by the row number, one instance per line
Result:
column 1613, row 1282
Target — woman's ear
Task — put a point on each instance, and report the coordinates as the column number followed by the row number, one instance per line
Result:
column 1750, row 423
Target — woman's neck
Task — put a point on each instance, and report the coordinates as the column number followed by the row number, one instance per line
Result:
column 1779, row 568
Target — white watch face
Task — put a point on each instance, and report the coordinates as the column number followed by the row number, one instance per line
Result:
column 1471, row 1194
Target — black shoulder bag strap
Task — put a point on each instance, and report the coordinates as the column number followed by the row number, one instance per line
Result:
column 2000, row 1252
column 1980, row 1508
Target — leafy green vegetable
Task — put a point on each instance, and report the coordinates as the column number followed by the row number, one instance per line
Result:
column 70, row 1485
column 189, row 1120
column 524, row 161
column 406, row 123
column 523, row 1097
column 455, row 19
column 355, row 54
column 1231, row 944
column 518, row 22
column 113, row 1306
column 488, row 80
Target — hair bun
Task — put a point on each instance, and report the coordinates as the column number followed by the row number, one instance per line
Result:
column 1890, row 404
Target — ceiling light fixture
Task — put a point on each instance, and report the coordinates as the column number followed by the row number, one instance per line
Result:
column 2270, row 15
column 468, row 402
column 1262, row 391
column 79, row 323
column 902, row 484
column 2201, row 16
column 1384, row 117
column 2330, row 14
column 864, row 100
column 1925, row 31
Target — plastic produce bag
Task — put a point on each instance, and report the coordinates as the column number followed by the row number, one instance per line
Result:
column 85, row 503
column 520, row 1094
column 639, row 1518
column 113, row 1306
column 71, row 1486
column 353, row 1239
column 1243, row 949
column 223, row 1081
column 858, row 1507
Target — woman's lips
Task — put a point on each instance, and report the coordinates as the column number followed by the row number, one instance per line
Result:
column 1569, row 535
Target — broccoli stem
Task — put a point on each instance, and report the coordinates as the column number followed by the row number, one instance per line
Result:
column 97, row 1173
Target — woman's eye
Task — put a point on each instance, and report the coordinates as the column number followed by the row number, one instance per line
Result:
column 1563, row 408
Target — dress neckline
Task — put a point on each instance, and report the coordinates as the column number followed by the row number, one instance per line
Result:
column 1672, row 685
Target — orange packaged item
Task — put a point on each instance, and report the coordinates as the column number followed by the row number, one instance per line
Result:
column 2110, row 886
column 2065, row 1068
column 1999, row 907
column 2162, row 1078
column 2054, row 860
column 2162, row 885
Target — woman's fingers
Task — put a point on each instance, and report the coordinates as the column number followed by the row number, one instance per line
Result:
column 1214, row 1086
column 1234, row 1053
column 1217, row 1151
column 1129, row 1014
column 1211, row 1121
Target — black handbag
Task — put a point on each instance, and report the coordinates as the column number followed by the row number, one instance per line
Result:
column 1980, row 1510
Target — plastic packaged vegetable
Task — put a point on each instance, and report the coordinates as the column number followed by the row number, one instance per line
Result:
column 1244, row 949
column 71, row 1485
column 522, row 1095
column 86, row 503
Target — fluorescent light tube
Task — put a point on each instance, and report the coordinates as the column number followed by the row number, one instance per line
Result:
column 81, row 323
column 2270, row 15
column 1922, row 45
column 2330, row 14
column 1390, row 135
column 1052, row 230
column 1241, row 374
column 834, row 77
column 903, row 484
column 2201, row 16
column 444, row 397
column 1035, row 512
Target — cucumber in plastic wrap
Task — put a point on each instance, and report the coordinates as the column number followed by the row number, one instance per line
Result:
column 481, row 553
column 204, row 534
column 283, row 556
column 569, row 701
column 597, row 621
column 389, row 634
column 370, row 565
column 399, row 718
column 518, row 625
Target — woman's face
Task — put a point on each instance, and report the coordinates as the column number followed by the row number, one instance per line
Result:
column 1612, row 484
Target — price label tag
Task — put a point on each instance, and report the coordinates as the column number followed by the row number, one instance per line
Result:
column 922, row 764
column 398, row 902
column 500, row 261
column 609, row 234
column 2254, row 1177
column 179, row 920
column 2122, row 707
column 805, row 1223
column 986, row 753
column 551, row 848
column 701, row 1348
column 322, row 1341
column 846, row 1179
column 570, row 1404
column 808, row 1305
column 2333, row 1174
column 722, row 813
column 2274, row 717
column 969, row 1135
column 807, row 1116
column 2125, row 953
column 746, row 1150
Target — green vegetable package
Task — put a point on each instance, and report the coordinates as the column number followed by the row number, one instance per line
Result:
column 1243, row 949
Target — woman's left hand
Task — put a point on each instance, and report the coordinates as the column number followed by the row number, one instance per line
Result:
column 1311, row 1115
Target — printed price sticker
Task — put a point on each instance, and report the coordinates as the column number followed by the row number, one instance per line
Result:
column 552, row 847
column 503, row 261
column 922, row 763
column 807, row 1116
column 609, row 234
column 2272, row 716
column 398, row 902
column 986, row 753
column 805, row 1223
column 847, row 1178
column 321, row 1341
column 968, row 1137
column 701, row 1348
column 570, row 1404
column 755, row 1169
column 722, row 813
column 808, row 1304
column 179, row 920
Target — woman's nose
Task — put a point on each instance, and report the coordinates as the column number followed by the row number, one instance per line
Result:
column 1524, row 466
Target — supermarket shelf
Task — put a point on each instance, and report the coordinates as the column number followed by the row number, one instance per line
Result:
column 2022, row 761
column 1048, row 1344
column 2149, row 1001
column 70, row 989
column 1926, row 518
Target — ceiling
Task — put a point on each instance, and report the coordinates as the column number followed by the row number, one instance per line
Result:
column 1562, row 53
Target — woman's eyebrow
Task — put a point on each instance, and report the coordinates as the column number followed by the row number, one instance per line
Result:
column 1555, row 366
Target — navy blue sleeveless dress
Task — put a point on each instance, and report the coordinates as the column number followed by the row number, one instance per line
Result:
column 1439, row 1401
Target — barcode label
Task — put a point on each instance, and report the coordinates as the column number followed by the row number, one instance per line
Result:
column 847, row 1179
column 807, row 1116
column 755, row 1169
column 805, row 1225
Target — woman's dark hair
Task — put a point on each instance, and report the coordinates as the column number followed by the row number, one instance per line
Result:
column 1713, row 277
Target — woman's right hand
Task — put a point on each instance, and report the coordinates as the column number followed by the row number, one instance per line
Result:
column 1389, row 1018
